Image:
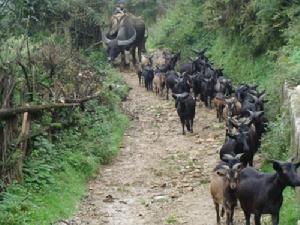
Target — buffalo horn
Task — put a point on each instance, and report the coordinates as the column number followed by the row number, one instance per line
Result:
column 129, row 41
column 105, row 39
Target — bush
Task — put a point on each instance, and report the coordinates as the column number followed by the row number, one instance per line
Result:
column 56, row 173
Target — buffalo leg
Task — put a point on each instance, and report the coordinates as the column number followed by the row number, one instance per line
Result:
column 140, row 79
column 123, row 59
column 133, row 55
column 275, row 219
column 140, row 53
column 257, row 219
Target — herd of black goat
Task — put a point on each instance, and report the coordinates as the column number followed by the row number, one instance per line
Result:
column 242, row 109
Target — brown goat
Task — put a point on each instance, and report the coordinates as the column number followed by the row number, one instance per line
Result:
column 219, row 103
column 159, row 58
column 232, row 108
column 159, row 83
column 223, row 188
column 146, row 60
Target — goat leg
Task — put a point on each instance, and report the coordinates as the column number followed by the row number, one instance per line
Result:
column 247, row 218
column 275, row 219
column 167, row 92
column 182, row 123
column 228, row 218
column 257, row 219
column 218, row 212
column 222, row 212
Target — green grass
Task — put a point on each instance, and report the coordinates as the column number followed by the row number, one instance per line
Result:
column 172, row 219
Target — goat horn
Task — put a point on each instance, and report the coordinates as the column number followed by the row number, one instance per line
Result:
column 253, row 92
column 250, row 113
column 225, row 167
column 261, row 93
column 227, row 157
column 262, row 97
column 258, row 114
column 254, row 97
column 195, row 51
column 237, row 166
column 238, row 156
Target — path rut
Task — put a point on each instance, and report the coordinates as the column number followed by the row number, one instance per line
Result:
column 160, row 176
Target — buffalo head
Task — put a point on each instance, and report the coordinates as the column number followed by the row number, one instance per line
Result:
column 117, row 45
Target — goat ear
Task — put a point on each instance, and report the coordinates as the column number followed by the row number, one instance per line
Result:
column 277, row 166
column 233, row 136
column 259, row 114
column 221, row 172
column 227, row 157
column 238, row 167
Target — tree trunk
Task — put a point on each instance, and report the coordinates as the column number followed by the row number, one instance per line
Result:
column 68, row 35
column 23, row 138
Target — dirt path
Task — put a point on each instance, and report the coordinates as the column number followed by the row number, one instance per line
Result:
column 160, row 177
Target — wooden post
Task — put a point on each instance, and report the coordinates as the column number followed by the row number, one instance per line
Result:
column 23, row 146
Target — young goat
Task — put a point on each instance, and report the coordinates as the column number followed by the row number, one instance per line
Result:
column 159, row 82
column 219, row 104
column 261, row 193
column 223, row 187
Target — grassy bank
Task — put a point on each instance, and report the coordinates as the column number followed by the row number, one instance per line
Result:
column 188, row 26
column 56, row 173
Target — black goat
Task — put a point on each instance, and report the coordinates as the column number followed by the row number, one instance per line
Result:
column 171, row 79
column 185, row 105
column 189, row 68
column 207, row 91
column 261, row 193
column 148, row 74
column 171, row 60
column 177, row 84
column 244, row 141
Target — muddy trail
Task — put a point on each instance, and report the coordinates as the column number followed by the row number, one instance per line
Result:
column 160, row 176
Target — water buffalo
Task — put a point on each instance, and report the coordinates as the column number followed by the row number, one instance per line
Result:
column 127, row 32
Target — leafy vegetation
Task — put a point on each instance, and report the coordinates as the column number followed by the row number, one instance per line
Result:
column 56, row 172
column 50, row 54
